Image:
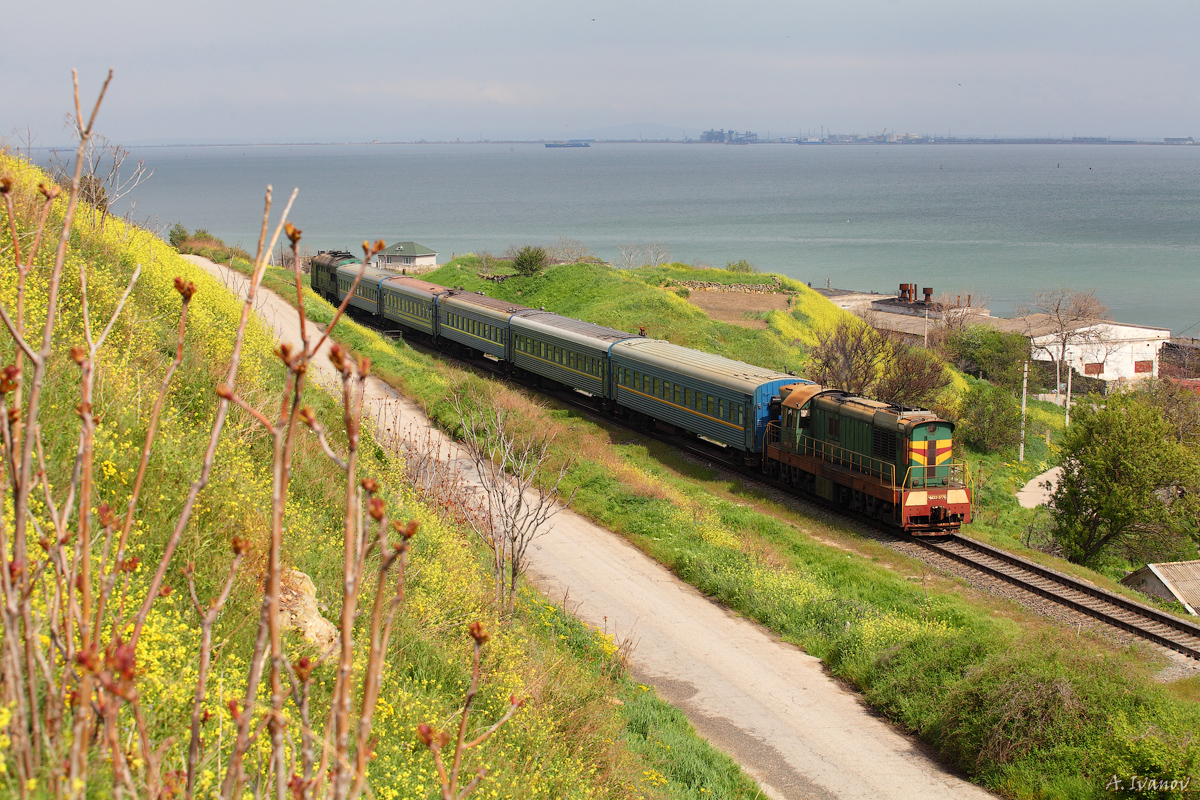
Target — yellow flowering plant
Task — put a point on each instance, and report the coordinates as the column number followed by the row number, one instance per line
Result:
column 100, row 659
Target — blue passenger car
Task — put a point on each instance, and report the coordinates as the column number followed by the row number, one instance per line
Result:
column 476, row 321
column 723, row 400
column 569, row 351
column 412, row 302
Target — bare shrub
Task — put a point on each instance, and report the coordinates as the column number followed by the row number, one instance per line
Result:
column 631, row 255
column 106, row 178
column 570, row 251
column 518, row 499
column 856, row 358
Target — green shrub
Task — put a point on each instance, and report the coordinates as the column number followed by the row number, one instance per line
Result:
column 530, row 260
column 992, row 354
column 178, row 235
column 741, row 265
column 990, row 419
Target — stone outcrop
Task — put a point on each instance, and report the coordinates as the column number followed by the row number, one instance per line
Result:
column 298, row 602
column 775, row 287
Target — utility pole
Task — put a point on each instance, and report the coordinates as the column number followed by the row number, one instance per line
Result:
column 927, row 328
column 1024, row 394
column 1068, row 406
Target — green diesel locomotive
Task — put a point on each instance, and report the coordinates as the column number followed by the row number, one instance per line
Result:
column 889, row 462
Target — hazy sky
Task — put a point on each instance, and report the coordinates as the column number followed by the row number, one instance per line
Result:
column 266, row 71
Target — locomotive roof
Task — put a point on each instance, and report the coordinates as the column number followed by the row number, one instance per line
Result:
column 877, row 412
column 334, row 256
column 736, row 375
column 556, row 323
column 483, row 301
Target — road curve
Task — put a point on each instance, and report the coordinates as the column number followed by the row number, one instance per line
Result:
column 798, row 732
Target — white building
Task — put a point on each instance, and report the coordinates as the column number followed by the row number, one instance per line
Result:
column 1110, row 351
column 406, row 255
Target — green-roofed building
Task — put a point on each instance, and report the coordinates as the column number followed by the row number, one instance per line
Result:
column 406, row 255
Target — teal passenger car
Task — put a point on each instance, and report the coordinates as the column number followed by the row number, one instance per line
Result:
column 720, row 399
column 569, row 351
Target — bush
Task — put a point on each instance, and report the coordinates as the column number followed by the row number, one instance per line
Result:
column 178, row 235
column 530, row 260
column 1128, row 487
column 990, row 419
column 992, row 354
column 741, row 265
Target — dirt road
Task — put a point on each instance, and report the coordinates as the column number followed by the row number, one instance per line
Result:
column 769, row 705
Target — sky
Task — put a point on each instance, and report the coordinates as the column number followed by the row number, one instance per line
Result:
column 249, row 71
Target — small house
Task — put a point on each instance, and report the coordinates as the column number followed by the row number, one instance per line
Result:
column 1172, row 580
column 406, row 255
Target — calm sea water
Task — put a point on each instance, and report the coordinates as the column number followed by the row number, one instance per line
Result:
column 999, row 221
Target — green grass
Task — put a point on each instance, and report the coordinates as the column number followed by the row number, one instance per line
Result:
column 918, row 649
column 630, row 299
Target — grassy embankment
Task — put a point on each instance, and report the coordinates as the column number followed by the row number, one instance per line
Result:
column 998, row 692
column 584, row 732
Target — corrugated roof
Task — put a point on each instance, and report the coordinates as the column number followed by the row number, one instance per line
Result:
column 1183, row 578
column 484, row 301
column 416, row 283
column 406, row 249
column 370, row 274
column 558, row 322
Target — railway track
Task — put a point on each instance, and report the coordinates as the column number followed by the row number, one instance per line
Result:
column 1143, row 621
column 1140, row 620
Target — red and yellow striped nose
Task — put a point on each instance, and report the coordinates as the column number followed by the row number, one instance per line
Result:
column 921, row 452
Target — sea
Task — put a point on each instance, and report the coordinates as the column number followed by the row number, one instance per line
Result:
column 998, row 222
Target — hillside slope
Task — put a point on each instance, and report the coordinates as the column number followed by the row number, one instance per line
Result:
column 584, row 733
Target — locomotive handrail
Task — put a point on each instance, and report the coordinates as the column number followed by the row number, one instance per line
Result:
column 826, row 451
column 848, row 458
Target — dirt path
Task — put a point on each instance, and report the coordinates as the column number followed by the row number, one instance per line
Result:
column 769, row 705
column 1039, row 489
column 737, row 308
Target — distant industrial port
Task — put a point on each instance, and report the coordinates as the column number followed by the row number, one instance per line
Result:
column 721, row 136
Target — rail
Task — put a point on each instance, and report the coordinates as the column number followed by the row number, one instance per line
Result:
column 1128, row 615
column 1152, row 615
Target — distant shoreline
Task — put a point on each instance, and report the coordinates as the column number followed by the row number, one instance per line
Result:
column 862, row 143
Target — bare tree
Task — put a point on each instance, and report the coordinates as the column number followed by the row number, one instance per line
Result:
column 910, row 375
column 630, row 255
column 847, row 356
column 857, row 358
column 106, row 178
column 1060, row 318
column 518, row 500
column 569, row 251
column 656, row 254
column 953, row 317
